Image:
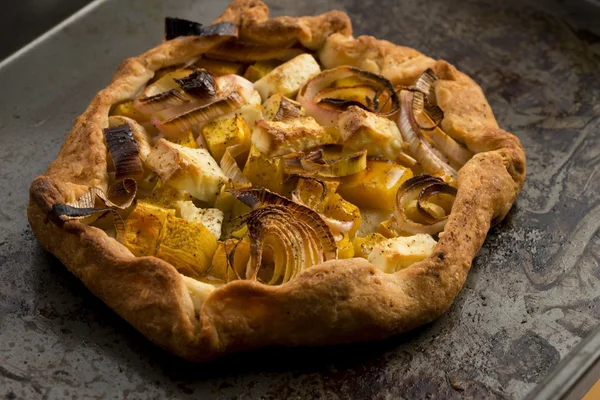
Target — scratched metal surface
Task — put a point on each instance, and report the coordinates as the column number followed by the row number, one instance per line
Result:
column 531, row 295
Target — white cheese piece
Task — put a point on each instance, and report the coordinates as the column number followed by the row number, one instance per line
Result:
column 184, row 168
column 400, row 252
column 289, row 77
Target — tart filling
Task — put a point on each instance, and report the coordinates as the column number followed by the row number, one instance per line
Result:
column 262, row 165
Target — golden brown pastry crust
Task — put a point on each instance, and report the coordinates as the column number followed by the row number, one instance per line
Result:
column 337, row 301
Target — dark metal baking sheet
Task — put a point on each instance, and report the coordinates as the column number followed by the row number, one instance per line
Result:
column 532, row 294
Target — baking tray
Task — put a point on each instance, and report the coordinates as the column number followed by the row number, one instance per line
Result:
column 530, row 298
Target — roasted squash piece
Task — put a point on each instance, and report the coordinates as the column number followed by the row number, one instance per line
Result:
column 222, row 133
column 165, row 195
column 364, row 245
column 342, row 210
column 264, row 171
column 259, row 69
column 345, row 247
column 187, row 140
column 143, row 228
column 126, row 109
column 386, row 228
column 376, row 186
column 219, row 67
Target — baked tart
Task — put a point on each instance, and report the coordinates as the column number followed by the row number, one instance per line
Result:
column 277, row 181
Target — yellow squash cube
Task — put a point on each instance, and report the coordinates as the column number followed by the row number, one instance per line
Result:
column 345, row 248
column 126, row 109
column 222, row 133
column 259, row 69
column 143, row 228
column 342, row 210
column 165, row 195
column 219, row 67
column 263, row 171
column 386, row 228
column 376, row 186
column 364, row 245
column 186, row 139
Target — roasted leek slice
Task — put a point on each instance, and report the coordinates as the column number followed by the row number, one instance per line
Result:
column 423, row 204
column 326, row 162
column 285, row 237
column 230, row 260
column 342, row 217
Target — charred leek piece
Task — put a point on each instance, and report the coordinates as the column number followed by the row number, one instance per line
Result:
column 140, row 135
column 325, row 101
column 95, row 204
column 414, row 202
column 232, row 92
column 160, row 101
column 176, row 27
column 430, row 159
column 336, row 163
column 121, row 194
column 431, row 111
column 285, row 237
column 199, row 83
column 124, row 150
column 65, row 212
column 329, row 162
column 163, row 93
